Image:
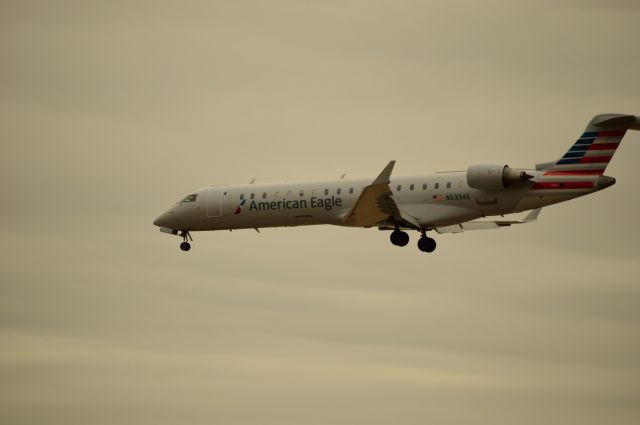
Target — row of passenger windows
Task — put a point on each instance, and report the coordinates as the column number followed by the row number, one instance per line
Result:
column 289, row 193
column 412, row 186
column 424, row 186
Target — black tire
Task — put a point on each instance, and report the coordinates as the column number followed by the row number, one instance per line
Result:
column 185, row 246
column 426, row 244
column 399, row 238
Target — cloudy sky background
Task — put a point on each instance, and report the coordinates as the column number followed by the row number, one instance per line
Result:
column 112, row 111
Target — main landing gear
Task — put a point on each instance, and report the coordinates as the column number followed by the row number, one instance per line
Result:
column 186, row 237
column 401, row 238
column 426, row 244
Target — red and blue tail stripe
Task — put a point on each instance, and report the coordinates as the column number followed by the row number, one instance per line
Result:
column 590, row 154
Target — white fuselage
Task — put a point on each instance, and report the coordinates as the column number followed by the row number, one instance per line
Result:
column 435, row 200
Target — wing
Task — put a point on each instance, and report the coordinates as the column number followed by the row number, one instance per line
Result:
column 376, row 205
column 482, row 225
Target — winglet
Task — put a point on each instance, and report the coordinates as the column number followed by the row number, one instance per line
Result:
column 385, row 175
column 532, row 216
column 375, row 204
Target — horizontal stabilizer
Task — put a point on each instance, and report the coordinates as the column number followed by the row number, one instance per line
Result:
column 619, row 121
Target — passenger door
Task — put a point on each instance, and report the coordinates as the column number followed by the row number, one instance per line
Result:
column 213, row 203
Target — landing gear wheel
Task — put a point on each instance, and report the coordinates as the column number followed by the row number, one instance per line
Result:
column 426, row 244
column 399, row 238
column 186, row 237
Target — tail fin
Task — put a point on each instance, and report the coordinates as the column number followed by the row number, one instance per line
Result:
column 591, row 153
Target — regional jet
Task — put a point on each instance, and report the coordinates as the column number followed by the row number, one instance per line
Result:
column 448, row 202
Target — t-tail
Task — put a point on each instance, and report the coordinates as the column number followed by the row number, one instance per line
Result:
column 592, row 152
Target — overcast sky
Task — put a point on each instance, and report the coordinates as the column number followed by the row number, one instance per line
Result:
column 112, row 111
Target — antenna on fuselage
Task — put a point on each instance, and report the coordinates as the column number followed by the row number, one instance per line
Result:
column 342, row 176
column 252, row 181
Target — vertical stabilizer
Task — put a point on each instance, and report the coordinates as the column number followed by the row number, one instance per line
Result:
column 592, row 152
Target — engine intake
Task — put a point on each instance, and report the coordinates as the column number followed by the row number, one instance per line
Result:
column 495, row 177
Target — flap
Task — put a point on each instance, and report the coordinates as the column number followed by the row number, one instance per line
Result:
column 485, row 225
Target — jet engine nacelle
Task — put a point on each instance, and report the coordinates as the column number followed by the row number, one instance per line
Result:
column 494, row 177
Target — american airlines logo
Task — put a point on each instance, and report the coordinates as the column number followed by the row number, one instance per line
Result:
column 239, row 208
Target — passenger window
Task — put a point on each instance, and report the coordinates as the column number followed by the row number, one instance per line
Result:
column 399, row 187
column 264, row 195
column 277, row 196
column 350, row 190
column 326, row 192
column 448, row 185
column 302, row 193
column 437, row 185
column 241, row 196
column 411, row 187
column 339, row 191
column 424, row 186
column 253, row 195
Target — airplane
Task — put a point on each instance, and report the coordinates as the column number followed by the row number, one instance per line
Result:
column 447, row 202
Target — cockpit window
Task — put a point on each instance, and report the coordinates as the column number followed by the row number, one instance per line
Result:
column 190, row 198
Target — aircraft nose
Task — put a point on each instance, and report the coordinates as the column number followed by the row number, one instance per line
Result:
column 164, row 220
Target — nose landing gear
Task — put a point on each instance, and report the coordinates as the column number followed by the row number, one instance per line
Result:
column 186, row 237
